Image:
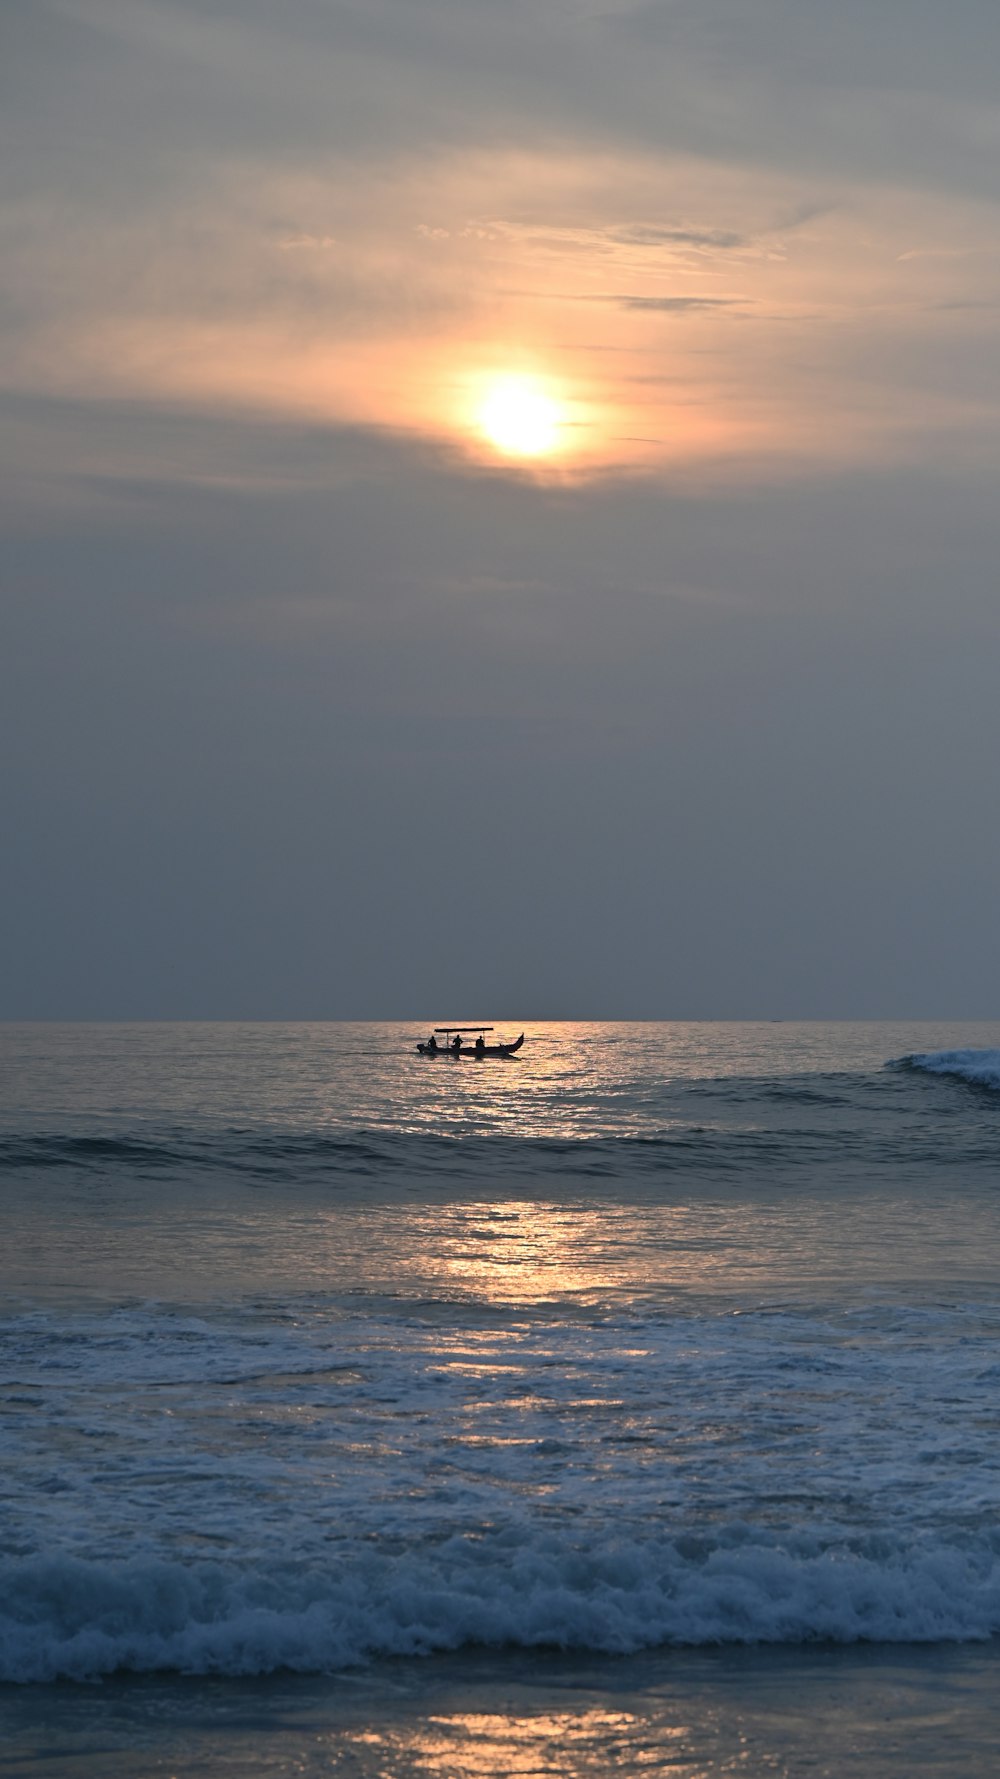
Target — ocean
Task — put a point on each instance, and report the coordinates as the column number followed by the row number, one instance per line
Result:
column 630, row 1406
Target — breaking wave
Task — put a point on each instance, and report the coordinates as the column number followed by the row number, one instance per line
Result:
column 66, row 1618
column 979, row 1067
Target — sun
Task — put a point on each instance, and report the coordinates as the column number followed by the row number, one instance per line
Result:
column 520, row 417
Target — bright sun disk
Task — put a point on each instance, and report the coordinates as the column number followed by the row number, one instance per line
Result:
column 520, row 418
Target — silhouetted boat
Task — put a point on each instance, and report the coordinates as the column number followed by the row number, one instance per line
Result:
column 476, row 1052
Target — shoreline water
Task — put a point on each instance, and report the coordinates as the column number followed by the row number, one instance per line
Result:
column 819, row 1712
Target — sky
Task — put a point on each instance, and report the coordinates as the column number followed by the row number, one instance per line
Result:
column 498, row 512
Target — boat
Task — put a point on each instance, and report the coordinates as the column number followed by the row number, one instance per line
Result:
column 457, row 1051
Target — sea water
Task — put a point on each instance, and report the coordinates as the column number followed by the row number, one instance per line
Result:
column 633, row 1405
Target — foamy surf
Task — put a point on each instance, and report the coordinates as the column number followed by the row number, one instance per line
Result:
column 980, row 1067
column 63, row 1618
column 297, row 1489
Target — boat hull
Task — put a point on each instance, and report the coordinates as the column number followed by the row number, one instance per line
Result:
column 469, row 1053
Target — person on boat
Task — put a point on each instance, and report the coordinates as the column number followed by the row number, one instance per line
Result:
column 480, row 1045
column 456, row 1042
column 431, row 1043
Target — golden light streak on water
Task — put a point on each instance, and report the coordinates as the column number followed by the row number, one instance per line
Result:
column 486, row 1745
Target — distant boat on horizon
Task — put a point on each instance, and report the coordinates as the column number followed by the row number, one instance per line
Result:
column 454, row 1047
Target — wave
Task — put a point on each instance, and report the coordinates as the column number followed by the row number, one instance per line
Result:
column 280, row 1156
column 73, row 1619
column 980, row 1067
column 232, row 1150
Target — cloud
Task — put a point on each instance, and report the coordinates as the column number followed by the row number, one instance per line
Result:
column 674, row 305
column 649, row 235
column 853, row 93
column 309, row 243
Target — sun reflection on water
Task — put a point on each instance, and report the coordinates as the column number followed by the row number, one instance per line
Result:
column 578, row 1254
column 472, row 1744
column 517, row 1252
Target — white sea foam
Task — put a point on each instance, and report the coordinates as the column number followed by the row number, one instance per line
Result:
column 66, row 1618
column 981, row 1067
column 262, row 1489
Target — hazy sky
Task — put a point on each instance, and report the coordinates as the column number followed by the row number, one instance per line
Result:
column 499, row 508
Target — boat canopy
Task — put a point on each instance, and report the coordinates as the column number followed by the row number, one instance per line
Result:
column 463, row 1028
